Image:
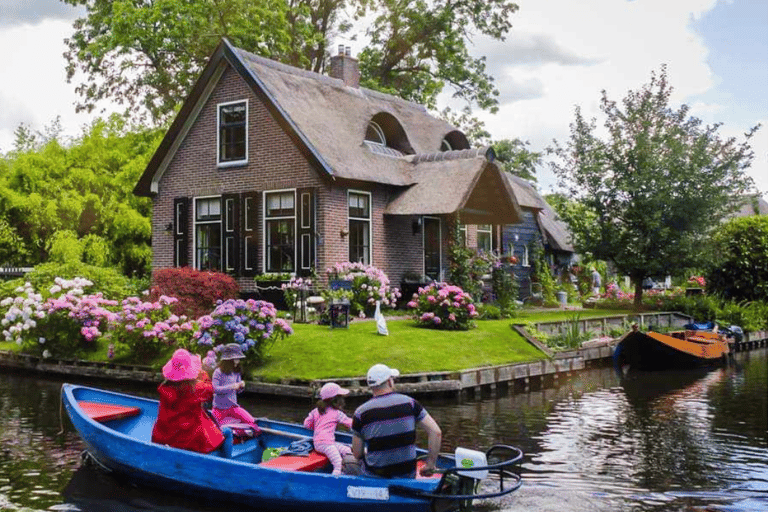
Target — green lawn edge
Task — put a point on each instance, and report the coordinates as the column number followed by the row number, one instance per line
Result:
column 319, row 352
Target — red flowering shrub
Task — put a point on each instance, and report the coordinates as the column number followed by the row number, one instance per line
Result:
column 197, row 290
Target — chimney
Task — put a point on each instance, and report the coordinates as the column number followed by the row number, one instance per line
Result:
column 345, row 67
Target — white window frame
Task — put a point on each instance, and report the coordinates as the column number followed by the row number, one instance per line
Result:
column 248, row 227
column 489, row 231
column 230, row 163
column 195, row 223
column 361, row 219
column 265, row 219
column 379, row 132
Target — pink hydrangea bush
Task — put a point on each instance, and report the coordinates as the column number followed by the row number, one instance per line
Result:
column 443, row 306
column 253, row 324
column 369, row 284
column 145, row 329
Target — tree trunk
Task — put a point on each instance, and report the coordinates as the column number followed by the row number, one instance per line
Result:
column 638, row 294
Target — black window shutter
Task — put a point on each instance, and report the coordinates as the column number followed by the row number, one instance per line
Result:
column 181, row 231
column 230, row 231
column 248, row 229
column 305, row 222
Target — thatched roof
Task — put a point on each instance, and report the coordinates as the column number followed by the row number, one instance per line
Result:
column 327, row 120
column 751, row 205
column 525, row 193
column 554, row 231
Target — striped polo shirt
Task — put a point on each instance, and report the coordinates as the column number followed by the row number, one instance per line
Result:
column 387, row 425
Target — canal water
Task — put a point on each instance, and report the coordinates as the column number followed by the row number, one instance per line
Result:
column 595, row 442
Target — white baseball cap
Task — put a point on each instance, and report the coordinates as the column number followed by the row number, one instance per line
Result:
column 379, row 373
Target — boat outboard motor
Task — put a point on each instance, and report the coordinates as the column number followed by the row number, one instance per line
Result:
column 737, row 332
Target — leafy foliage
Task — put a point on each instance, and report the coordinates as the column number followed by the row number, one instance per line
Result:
column 197, row 291
column 655, row 185
column 444, row 306
column 513, row 156
column 505, row 289
column 541, row 273
column 111, row 283
column 85, row 188
column 739, row 266
column 127, row 51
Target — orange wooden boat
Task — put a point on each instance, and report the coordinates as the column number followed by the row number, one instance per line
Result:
column 680, row 349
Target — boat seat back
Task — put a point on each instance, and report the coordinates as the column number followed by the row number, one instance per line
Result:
column 107, row 412
column 313, row 461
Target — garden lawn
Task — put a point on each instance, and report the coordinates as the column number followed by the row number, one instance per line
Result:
column 316, row 351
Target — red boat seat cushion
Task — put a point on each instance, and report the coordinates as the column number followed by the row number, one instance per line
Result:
column 311, row 462
column 107, row 412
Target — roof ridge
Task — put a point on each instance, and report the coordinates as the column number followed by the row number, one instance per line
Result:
column 329, row 80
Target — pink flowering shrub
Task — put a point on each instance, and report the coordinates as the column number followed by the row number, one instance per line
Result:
column 369, row 284
column 145, row 329
column 443, row 306
column 63, row 325
column 253, row 324
column 292, row 288
column 697, row 281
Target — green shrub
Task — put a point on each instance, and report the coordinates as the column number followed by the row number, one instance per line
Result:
column 197, row 291
column 109, row 281
column 489, row 312
column 505, row 289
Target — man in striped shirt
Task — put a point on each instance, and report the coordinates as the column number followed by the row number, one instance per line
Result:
column 386, row 426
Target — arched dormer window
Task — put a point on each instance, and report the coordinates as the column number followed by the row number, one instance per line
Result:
column 375, row 134
column 454, row 140
column 384, row 134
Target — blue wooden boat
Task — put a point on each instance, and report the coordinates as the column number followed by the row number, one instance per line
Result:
column 117, row 428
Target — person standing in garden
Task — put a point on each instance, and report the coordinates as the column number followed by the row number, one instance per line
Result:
column 596, row 282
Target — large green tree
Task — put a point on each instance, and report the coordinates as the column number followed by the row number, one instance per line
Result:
column 147, row 53
column 739, row 265
column 657, row 181
column 84, row 187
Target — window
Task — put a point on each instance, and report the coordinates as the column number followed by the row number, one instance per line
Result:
column 462, row 240
column 485, row 237
column 445, row 146
column 360, row 227
column 233, row 133
column 280, row 231
column 375, row 134
column 208, row 233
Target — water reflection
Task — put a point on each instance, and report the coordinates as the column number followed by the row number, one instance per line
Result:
column 602, row 442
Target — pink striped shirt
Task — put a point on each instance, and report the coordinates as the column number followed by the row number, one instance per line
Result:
column 324, row 425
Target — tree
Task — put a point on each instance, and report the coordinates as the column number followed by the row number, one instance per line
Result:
column 148, row 53
column 84, row 188
column 656, row 184
column 739, row 267
column 513, row 155
column 416, row 47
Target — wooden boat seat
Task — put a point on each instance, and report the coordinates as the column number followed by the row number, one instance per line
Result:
column 107, row 412
column 315, row 460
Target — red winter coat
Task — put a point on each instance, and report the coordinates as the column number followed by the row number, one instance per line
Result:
column 181, row 420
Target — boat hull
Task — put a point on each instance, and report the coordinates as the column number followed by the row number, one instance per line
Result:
column 656, row 351
column 125, row 446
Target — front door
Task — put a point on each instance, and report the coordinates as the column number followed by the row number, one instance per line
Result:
column 432, row 253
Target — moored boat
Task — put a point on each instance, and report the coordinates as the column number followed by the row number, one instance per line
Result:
column 652, row 350
column 117, row 428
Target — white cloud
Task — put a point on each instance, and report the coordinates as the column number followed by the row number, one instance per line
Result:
column 588, row 47
column 38, row 90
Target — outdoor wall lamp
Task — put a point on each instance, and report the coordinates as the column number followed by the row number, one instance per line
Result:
column 344, row 232
column 416, row 226
column 169, row 227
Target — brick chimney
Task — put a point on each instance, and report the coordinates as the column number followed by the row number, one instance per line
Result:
column 344, row 67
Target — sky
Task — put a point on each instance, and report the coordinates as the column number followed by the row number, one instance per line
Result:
column 559, row 54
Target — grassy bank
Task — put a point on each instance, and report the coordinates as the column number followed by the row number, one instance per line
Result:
column 316, row 351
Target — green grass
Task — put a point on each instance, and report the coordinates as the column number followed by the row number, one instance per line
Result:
column 316, row 351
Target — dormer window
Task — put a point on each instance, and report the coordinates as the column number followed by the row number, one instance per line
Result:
column 233, row 133
column 375, row 134
column 454, row 141
column 445, row 146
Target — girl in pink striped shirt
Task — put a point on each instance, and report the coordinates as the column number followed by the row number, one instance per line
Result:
column 324, row 419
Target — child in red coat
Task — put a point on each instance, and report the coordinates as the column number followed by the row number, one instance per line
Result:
column 181, row 420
